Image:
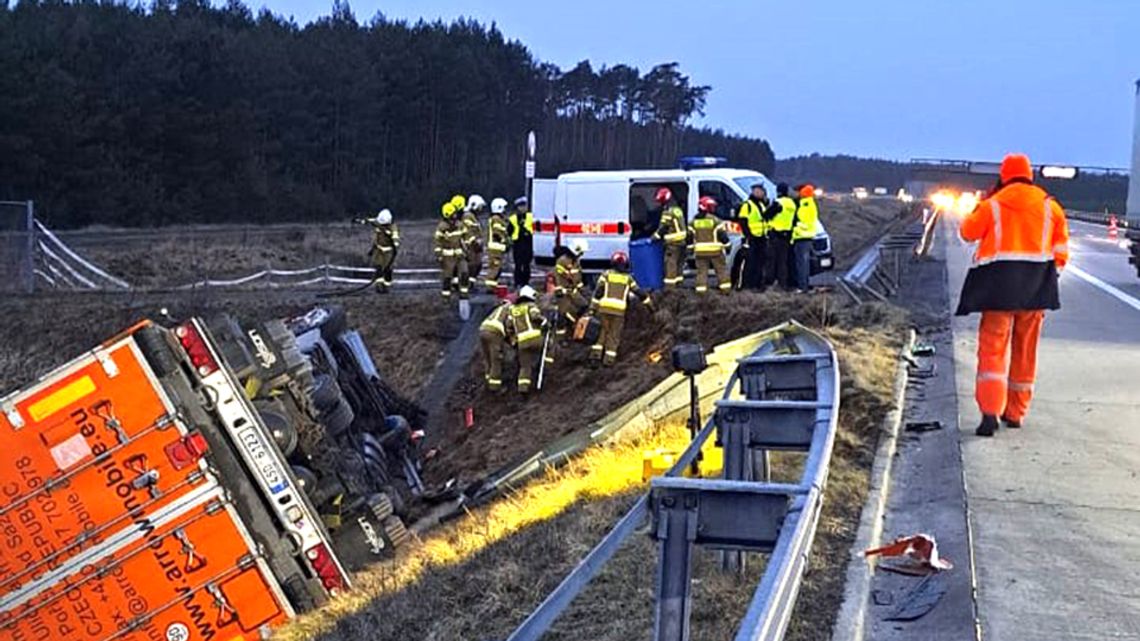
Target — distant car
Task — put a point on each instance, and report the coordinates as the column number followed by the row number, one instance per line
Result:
column 880, row 191
column 860, row 193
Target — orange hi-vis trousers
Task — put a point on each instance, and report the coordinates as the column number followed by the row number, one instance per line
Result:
column 1007, row 362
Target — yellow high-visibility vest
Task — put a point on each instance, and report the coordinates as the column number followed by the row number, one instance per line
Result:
column 807, row 217
column 783, row 220
column 706, row 231
column 528, row 225
column 616, row 286
column 750, row 211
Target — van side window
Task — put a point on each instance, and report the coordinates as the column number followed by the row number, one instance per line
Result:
column 727, row 202
column 645, row 213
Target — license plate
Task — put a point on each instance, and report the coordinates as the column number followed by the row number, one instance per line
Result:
column 263, row 461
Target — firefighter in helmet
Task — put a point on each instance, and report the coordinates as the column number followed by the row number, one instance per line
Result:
column 674, row 232
column 498, row 241
column 710, row 238
column 385, row 244
column 611, row 297
column 568, row 285
column 473, row 232
column 496, row 334
column 527, row 324
column 451, row 254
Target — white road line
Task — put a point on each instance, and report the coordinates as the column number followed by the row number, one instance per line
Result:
column 1104, row 287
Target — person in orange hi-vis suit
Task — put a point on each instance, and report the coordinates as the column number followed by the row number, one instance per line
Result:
column 1022, row 247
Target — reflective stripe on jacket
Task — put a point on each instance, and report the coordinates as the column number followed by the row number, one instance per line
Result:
column 612, row 292
column 784, row 220
column 750, row 212
column 807, row 218
column 525, row 230
column 496, row 321
column 709, row 236
column 567, row 275
column 527, row 323
column 449, row 238
column 1023, row 242
column 672, row 228
column 472, row 230
column 386, row 238
column 496, row 234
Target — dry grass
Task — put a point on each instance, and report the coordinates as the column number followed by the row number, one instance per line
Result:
column 478, row 577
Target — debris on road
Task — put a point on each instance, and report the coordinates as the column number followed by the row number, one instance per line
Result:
column 920, row 600
column 923, row 426
column 916, row 555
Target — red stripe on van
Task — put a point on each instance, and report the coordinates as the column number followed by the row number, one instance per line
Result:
column 597, row 229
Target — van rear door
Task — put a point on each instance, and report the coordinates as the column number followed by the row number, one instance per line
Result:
column 594, row 209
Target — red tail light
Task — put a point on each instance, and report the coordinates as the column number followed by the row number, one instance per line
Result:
column 326, row 568
column 196, row 349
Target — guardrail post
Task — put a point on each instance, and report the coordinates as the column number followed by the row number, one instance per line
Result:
column 738, row 466
column 30, row 250
column 676, row 530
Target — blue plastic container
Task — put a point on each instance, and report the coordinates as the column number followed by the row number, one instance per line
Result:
column 647, row 261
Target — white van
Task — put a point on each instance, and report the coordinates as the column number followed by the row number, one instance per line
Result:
column 610, row 208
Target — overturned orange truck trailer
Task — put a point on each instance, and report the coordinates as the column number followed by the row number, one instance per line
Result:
column 142, row 499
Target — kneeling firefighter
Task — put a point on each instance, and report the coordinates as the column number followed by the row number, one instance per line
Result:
column 568, row 285
column 611, row 296
column 496, row 334
column 710, row 237
column 527, row 324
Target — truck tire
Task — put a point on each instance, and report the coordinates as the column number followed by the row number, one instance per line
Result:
column 338, row 419
column 396, row 532
column 327, row 488
column 283, row 432
column 157, row 351
column 298, row 595
column 306, row 478
column 326, row 394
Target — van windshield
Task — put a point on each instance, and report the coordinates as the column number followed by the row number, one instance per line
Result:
column 745, row 183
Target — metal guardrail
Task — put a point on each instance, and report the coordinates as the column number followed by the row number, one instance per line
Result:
column 878, row 272
column 783, row 397
column 1098, row 218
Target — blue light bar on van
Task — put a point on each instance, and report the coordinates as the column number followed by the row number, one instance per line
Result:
column 701, row 162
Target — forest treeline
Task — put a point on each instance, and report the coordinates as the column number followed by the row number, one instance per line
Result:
column 180, row 112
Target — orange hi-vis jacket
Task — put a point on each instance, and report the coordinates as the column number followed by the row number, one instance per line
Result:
column 1023, row 243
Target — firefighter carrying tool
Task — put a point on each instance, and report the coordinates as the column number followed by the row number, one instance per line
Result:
column 568, row 285
column 385, row 244
column 450, row 251
column 673, row 231
column 1022, row 237
column 496, row 333
column 527, row 323
column 498, row 240
column 473, row 233
column 710, row 237
column 611, row 296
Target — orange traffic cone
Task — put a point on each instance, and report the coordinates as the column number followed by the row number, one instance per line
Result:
column 917, row 554
column 1113, row 231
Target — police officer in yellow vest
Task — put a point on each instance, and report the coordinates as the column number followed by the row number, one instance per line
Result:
column 710, row 237
column 527, row 324
column 803, row 233
column 674, row 231
column 781, row 216
column 754, row 274
column 521, row 226
column 611, row 297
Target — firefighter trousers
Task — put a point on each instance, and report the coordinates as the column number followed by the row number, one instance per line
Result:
column 474, row 263
column 494, row 268
column 453, row 276
column 492, row 343
column 529, row 354
column 716, row 263
column 570, row 306
column 383, row 261
column 609, row 338
column 674, row 265
column 1007, row 362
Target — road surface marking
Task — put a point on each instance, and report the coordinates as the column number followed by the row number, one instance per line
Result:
column 1104, row 287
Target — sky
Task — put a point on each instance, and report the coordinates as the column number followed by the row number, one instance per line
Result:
column 899, row 79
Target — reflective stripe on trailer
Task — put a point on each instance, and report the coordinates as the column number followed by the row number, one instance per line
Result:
column 596, row 228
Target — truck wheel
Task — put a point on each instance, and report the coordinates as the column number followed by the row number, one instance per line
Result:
column 338, row 419
column 283, row 432
column 297, row 594
column 396, row 532
column 326, row 393
column 327, row 488
column 157, row 351
column 305, row 477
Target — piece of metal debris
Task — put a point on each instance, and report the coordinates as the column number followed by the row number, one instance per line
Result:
column 923, row 426
column 920, row 600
